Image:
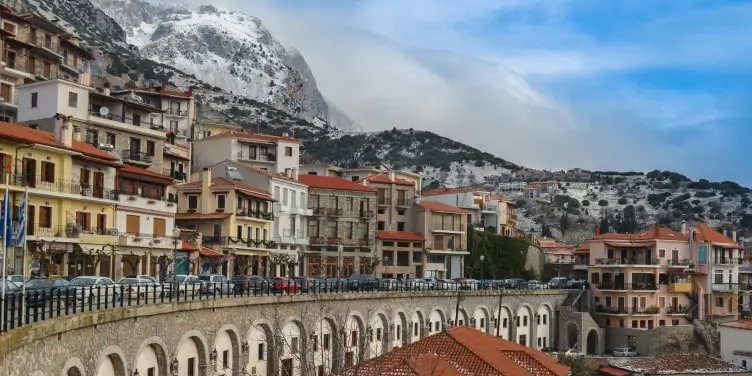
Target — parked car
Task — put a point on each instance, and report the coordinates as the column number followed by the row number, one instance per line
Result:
column 95, row 290
column 40, row 290
column 18, row 280
column 577, row 284
column 558, row 282
column 446, row 284
column 309, row 284
column 216, row 284
column 429, row 283
column 513, row 283
column 363, row 282
column 10, row 288
column 335, row 284
column 245, row 284
column 625, row 351
column 182, row 285
column 284, row 285
column 389, row 284
column 534, row 285
column 467, row 283
column 139, row 288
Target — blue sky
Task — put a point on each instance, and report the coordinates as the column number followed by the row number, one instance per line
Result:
column 665, row 81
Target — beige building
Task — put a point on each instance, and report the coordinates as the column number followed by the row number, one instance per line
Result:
column 342, row 227
column 277, row 154
column 445, row 229
column 358, row 174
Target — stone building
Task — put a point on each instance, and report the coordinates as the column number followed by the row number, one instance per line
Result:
column 342, row 227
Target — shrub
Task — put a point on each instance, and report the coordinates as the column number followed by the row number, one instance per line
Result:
column 622, row 201
column 602, row 203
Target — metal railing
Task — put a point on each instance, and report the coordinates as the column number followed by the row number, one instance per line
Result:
column 137, row 156
column 230, row 241
column 174, row 111
column 404, row 201
column 174, row 174
column 49, row 43
column 258, row 214
column 439, row 227
column 724, row 287
column 627, row 310
column 63, row 186
column 635, row 286
column 627, row 261
column 679, row 262
column 726, row 261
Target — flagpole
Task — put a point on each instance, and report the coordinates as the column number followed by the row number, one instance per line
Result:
column 5, row 249
column 23, row 246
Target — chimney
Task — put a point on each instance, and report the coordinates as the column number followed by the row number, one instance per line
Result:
column 391, row 175
column 597, row 230
column 63, row 130
column 288, row 173
column 164, row 87
column 190, row 91
column 725, row 233
column 206, row 196
column 733, row 236
column 285, row 134
column 656, row 230
column 294, row 172
column 684, row 228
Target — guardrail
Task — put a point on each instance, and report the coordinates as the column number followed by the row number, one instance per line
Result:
column 36, row 306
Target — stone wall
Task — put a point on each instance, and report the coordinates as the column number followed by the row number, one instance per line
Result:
column 78, row 345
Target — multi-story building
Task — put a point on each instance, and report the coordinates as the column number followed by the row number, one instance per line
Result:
column 36, row 49
column 399, row 245
column 177, row 161
column 662, row 277
column 72, row 199
column 130, row 128
column 358, row 174
column 210, row 126
column 505, row 220
column 445, row 229
column 581, row 262
column 342, row 227
column 470, row 199
column 145, row 219
column 735, row 339
column 267, row 152
column 176, row 109
column 291, row 212
column 234, row 219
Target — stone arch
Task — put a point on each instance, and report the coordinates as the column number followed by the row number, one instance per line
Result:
column 289, row 347
column 436, row 321
column 503, row 322
column 573, row 335
column 353, row 338
column 260, row 339
column 543, row 326
column 462, row 319
column 401, row 330
column 592, row 342
column 192, row 344
column 524, row 324
column 157, row 356
column 325, row 329
column 111, row 362
column 378, row 326
column 480, row 319
column 73, row 367
column 227, row 339
column 417, row 326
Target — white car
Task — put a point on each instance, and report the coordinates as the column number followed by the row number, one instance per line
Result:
column 139, row 288
column 184, row 285
column 95, row 290
column 623, row 351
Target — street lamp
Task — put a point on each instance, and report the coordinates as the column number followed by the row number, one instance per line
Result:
column 482, row 258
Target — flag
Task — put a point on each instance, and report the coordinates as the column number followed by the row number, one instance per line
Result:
column 22, row 218
column 5, row 223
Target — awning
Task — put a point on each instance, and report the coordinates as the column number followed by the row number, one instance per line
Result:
column 614, row 371
column 208, row 252
column 630, row 244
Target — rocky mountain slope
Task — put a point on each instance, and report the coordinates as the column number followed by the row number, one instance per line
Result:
column 227, row 49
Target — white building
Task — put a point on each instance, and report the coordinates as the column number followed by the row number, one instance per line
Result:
column 512, row 186
column 736, row 338
column 267, row 152
column 470, row 199
column 178, row 108
column 291, row 213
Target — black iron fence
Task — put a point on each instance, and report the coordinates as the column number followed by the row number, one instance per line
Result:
column 26, row 308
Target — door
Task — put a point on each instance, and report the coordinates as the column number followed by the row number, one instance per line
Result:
column 31, row 65
column 620, row 304
column 217, row 231
column 30, row 172
column 85, row 178
column 98, row 184
column 133, row 224
column 101, row 224
column 31, row 219
column 635, row 304
column 623, row 255
column 675, row 257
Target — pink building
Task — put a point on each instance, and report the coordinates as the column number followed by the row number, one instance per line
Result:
column 662, row 277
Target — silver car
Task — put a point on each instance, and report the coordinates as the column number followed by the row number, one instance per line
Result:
column 215, row 284
column 93, row 289
column 140, row 288
column 182, row 285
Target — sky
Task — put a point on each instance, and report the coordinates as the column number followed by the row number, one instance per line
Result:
column 613, row 85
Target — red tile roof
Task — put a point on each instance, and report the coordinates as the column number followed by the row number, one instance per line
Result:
column 439, row 207
column 25, row 134
column 200, row 216
column 253, row 136
column 739, row 324
column 677, row 364
column 331, row 182
column 447, row 191
column 461, row 351
column 384, row 179
column 613, row 371
column 223, row 183
column 706, row 234
column 188, row 246
column 703, row 234
column 162, row 90
column 208, row 252
column 400, row 235
column 133, row 170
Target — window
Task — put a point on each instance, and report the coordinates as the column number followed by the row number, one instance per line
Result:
column 83, row 219
column 674, row 322
column 354, row 338
column 504, row 322
column 381, row 225
column 225, row 358
column 718, row 277
column 45, row 217
column 327, row 338
column 132, row 224
column 288, row 151
column 48, row 172
column 400, row 226
column 517, row 321
column 110, row 138
column 150, row 371
column 294, row 345
column 192, row 202
column 34, row 100
column 221, row 202
column 302, row 200
column 399, row 331
column 284, row 197
column 661, row 253
column 315, row 341
column 9, row 27
column 137, row 119
column 6, row 92
column 524, row 320
column 261, row 351
column 47, row 69
column 544, row 319
column 160, row 227
column 378, row 334
column 72, row 99
column 191, row 366
column 151, row 148
column 719, row 302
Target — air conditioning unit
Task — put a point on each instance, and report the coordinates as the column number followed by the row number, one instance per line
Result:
column 107, row 147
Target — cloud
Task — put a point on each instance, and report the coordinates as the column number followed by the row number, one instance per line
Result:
column 465, row 72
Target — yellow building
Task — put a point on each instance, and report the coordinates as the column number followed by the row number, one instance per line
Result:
column 233, row 218
column 72, row 200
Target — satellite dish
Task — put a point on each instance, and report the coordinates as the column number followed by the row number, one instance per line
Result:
column 104, row 111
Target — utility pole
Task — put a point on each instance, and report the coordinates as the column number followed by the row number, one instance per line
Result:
column 457, row 307
column 498, row 315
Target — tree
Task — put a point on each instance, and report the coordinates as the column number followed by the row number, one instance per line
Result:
column 504, row 257
column 602, row 203
column 546, row 231
column 564, row 223
column 603, row 227
column 585, row 202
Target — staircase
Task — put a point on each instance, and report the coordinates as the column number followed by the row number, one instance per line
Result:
column 691, row 312
column 572, row 298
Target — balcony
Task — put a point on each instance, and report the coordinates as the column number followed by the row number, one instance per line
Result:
column 145, row 241
column 255, row 214
column 137, row 157
column 362, row 242
column 176, row 112
column 96, row 235
column 625, row 310
column 230, row 242
column 177, row 175
column 300, row 210
column 383, row 201
column 126, row 124
column 73, row 188
column 334, row 212
column 680, row 310
column 403, row 202
column 142, row 201
column 677, row 263
column 293, row 237
column 49, row 47
column 619, row 286
column 14, row 68
column 726, row 261
column 727, row 287
column 256, row 157
column 680, row 287
column 366, row 214
column 438, row 227
column 69, row 232
column 626, row 261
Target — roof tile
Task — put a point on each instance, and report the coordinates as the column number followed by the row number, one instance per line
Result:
column 384, row 179
column 332, row 182
column 25, row 134
column 440, row 207
column 253, row 136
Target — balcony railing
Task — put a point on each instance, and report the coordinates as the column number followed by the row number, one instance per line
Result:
column 177, row 112
column 357, row 242
column 726, row 261
column 239, row 242
column 383, row 201
column 137, row 156
column 438, row 227
column 727, row 287
column 62, row 186
column 178, row 175
column 404, row 201
column 49, row 43
column 680, row 262
column 258, row 214
column 680, row 310
column 334, row 212
column 628, row 310
column 268, row 157
column 289, row 233
column 71, row 231
column 366, row 214
column 626, row 261
column 635, row 286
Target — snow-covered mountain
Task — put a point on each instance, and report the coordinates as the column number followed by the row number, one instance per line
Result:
column 227, row 49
